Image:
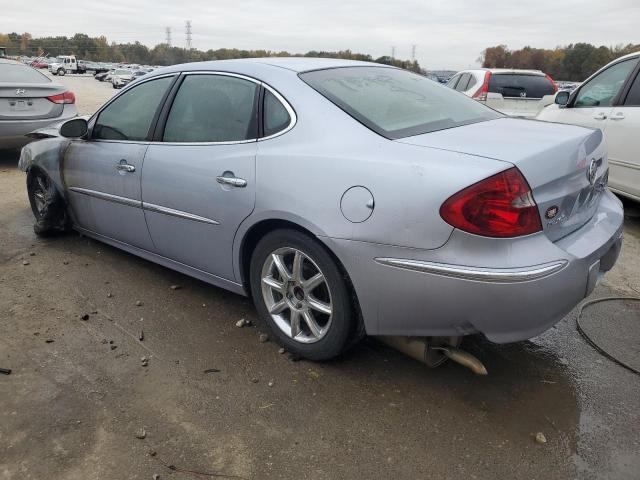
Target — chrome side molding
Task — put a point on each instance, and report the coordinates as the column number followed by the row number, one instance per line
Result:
column 177, row 213
column 129, row 202
column 495, row 275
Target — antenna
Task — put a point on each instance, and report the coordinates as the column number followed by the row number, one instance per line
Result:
column 167, row 31
column 187, row 30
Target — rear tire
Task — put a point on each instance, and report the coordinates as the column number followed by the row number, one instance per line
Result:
column 47, row 205
column 302, row 296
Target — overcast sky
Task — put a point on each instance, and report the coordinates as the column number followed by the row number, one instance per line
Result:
column 448, row 33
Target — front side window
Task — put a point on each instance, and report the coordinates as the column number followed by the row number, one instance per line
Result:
column 129, row 116
column 396, row 103
column 602, row 89
column 213, row 108
column 275, row 115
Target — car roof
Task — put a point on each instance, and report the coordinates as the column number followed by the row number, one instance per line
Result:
column 14, row 62
column 295, row 64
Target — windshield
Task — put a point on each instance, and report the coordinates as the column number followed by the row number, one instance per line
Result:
column 123, row 72
column 396, row 103
column 16, row 73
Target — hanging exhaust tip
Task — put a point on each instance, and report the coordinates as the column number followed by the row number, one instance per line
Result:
column 464, row 358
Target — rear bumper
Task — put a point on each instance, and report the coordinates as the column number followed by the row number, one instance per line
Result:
column 508, row 290
column 12, row 131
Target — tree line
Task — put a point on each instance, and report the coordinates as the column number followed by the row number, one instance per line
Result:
column 574, row 62
column 99, row 49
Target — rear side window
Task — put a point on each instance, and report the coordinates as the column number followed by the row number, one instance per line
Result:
column 213, row 108
column 130, row 115
column 16, row 73
column 396, row 103
column 453, row 81
column 464, row 82
column 520, row 85
column 275, row 115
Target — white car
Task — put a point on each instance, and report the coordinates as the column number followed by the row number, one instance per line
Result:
column 519, row 93
column 121, row 77
column 609, row 100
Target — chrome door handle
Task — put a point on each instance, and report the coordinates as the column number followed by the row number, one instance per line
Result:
column 233, row 181
column 618, row 116
column 125, row 167
column 600, row 116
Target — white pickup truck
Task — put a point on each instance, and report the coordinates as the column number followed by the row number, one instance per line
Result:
column 519, row 93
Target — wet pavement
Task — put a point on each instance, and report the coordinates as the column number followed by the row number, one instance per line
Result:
column 79, row 394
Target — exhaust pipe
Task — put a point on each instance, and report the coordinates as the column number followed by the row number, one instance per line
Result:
column 433, row 351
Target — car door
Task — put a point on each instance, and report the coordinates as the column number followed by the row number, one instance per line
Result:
column 591, row 105
column 623, row 141
column 198, row 180
column 102, row 173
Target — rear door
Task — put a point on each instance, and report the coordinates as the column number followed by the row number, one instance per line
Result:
column 623, row 140
column 102, row 173
column 198, row 181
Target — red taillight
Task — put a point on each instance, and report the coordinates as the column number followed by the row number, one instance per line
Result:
column 66, row 97
column 555, row 87
column 481, row 94
column 500, row 206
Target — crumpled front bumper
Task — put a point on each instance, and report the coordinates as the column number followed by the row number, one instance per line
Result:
column 507, row 289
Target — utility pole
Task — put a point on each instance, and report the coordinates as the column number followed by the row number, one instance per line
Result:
column 413, row 52
column 187, row 29
column 168, row 36
column 393, row 52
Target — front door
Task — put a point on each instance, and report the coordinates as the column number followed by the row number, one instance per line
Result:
column 198, row 182
column 102, row 173
column 624, row 143
column 594, row 100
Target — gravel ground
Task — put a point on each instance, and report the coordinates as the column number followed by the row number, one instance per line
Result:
column 79, row 396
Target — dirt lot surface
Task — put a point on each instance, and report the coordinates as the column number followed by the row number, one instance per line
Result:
column 79, row 396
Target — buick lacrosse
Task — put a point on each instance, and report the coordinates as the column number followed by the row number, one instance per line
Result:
column 346, row 198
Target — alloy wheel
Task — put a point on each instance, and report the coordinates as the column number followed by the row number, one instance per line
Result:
column 297, row 295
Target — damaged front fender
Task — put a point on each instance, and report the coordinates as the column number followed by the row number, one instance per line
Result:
column 47, row 155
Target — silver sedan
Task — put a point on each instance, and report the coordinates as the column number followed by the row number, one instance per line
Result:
column 346, row 198
column 29, row 100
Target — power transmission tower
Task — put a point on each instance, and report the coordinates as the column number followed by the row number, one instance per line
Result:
column 413, row 52
column 168, row 35
column 393, row 52
column 187, row 29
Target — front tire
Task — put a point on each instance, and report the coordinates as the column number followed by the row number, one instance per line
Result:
column 61, row 72
column 47, row 205
column 301, row 294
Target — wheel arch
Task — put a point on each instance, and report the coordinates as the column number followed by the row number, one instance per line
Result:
column 251, row 235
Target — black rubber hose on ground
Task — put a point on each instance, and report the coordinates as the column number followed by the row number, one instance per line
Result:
column 594, row 344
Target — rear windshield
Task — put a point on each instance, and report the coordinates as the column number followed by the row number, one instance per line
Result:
column 123, row 72
column 396, row 103
column 520, row 85
column 16, row 73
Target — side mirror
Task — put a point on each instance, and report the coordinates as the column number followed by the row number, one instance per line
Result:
column 74, row 128
column 562, row 98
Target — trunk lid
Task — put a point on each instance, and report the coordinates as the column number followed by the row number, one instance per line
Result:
column 565, row 166
column 28, row 101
